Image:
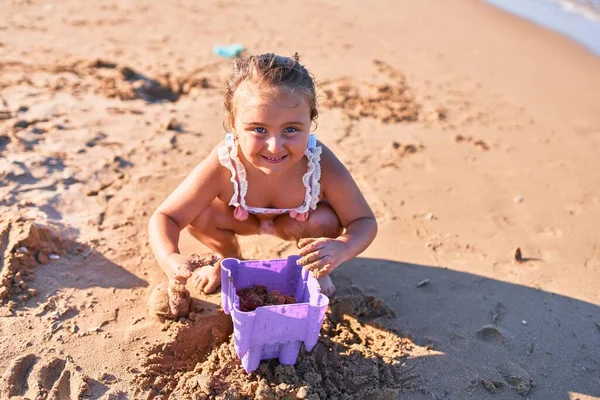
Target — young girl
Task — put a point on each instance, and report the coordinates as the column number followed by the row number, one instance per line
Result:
column 269, row 175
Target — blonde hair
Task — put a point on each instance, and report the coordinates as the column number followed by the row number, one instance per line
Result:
column 270, row 71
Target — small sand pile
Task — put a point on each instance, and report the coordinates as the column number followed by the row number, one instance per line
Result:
column 23, row 246
column 356, row 357
column 389, row 101
column 191, row 339
column 102, row 77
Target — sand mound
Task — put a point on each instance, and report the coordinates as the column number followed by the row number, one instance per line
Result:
column 24, row 245
column 190, row 340
column 106, row 78
column 389, row 101
column 356, row 357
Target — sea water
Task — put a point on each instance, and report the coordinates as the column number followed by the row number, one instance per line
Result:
column 577, row 19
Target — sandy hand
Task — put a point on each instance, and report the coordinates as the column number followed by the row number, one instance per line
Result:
column 321, row 255
column 194, row 262
column 179, row 297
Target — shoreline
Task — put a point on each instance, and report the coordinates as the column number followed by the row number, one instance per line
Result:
column 571, row 20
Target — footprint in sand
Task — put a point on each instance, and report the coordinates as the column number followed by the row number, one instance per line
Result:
column 31, row 377
column 516, row 377
column 459, row 341
column 13, row 382
column 491, row 334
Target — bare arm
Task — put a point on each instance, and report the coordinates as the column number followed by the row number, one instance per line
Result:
column 348, row 202
column 183, row 205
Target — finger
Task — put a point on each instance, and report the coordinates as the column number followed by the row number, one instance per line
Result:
column 173, row 307
column 195, row 279
column 202, row 283
column 320, row 271
column 211, row 286
column 305, row 241
column 320, row 264
column 329, row 268
column 313, row 246
column 310, row 258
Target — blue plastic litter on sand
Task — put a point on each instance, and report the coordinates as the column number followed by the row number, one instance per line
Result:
column 230, row 51
column 273, row 331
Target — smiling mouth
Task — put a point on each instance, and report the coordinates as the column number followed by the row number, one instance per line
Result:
column 274, row 160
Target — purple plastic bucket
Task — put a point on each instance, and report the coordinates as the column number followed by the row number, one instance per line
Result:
column 273, row 331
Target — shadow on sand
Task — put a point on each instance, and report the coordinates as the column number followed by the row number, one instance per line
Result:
column 457, row 336
column 489, row 339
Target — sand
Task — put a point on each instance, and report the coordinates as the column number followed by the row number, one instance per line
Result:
column 471, row 132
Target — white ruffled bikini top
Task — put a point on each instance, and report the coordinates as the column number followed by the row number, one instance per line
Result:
column 228, row 157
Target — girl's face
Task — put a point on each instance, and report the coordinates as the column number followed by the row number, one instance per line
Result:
column 272, row 127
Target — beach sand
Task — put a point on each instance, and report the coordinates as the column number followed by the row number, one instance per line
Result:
column 471, row 132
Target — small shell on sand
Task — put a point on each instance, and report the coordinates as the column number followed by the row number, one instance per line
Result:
column 22, row 250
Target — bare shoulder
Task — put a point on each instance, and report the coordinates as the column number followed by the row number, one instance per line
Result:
column 199, row 188
column 212, row 159
column 210, row 166
column 332, row 168
column 340, row 189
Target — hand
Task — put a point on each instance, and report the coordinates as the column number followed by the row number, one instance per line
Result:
column 321, row 255
column 179, row 299
column 175, row 261
column 207, row 279
column 182, row 271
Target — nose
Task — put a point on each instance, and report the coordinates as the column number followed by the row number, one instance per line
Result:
column 274, row 144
